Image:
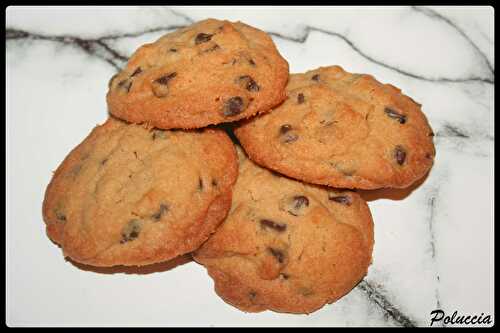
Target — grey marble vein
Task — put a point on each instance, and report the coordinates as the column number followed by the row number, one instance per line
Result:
column 142, row 32
column 102, row 48
column 13, row 34
column 182, row 15
column 449, row 130
column 94, row 47
column 390, row 310
column 432, row 209
column 435, row 15
column 457, row 133
column 309, row 29
column 431, row 221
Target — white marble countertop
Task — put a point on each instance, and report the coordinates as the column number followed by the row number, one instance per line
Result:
column 433, row 243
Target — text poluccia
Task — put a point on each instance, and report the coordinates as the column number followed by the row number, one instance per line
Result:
column 455, row 318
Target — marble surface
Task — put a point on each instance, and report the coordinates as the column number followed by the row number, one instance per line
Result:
column 433, row 243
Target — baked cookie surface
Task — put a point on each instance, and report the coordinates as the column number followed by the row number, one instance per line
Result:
column 287, row 246
column 343, row 130
column 207, row 73
column 131, row 196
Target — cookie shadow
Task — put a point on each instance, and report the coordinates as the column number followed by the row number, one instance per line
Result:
column 148, row 269
column 391, row 193
column 229, row 129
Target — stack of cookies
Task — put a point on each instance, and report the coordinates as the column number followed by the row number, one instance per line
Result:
column 265, row 203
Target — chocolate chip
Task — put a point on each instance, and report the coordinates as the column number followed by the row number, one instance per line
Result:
column 295, row 205
column 315, row 77
column 202, row 38
column 300, row 98
column 214, row 182
column 173, row 50
column 278, row 254
column 131, row 231
column 248, row 83
column 284, row 276
column 160, row 85
column 162, row 211
column 251, row 62
column 428, row 155
column 125, row 85
column 287, row 135
column 104, row 161
column 273, row 225
column 341, row 199
column 430, row 134
column 300, row 202
column 395, row 115
column 233, row 106
column 252, row 295
column 60, row 216
column 200, row 184
column 264, row 223
column 285, row 128
column 400, row 154
column 163, row 80
column 213, row 48
column 137, row 71
column 290, row 137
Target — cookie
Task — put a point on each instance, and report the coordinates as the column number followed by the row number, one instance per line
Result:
column 287, row 246
column 207, row 73
column 343, row 130
column 131, row 196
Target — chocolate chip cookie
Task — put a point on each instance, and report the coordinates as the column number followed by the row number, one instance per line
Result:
column 128, row 195
column 287, row 246
column 344, row 130
column 207, row 73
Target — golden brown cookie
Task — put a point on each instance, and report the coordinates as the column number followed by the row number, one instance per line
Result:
column 287, row 246
column 207, row 73
column 131, row 196
column 344, row 130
